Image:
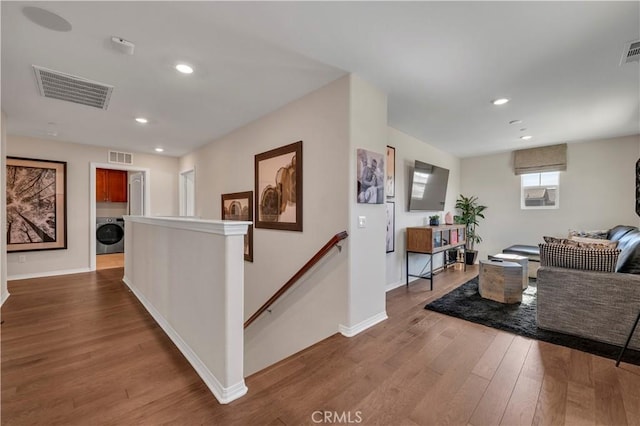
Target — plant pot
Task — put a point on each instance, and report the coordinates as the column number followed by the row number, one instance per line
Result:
column 433, row 222
column 470, row 256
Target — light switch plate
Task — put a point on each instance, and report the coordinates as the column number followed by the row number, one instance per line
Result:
column 362, row 221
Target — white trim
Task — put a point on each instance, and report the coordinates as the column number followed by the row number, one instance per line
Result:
column 48, row 274
column 222, row 394
column 4, row 298
column 220, row 227
column 92, row 200
column 395, row 285
column 363, row 325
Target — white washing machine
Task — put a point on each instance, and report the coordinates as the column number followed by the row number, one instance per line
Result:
column 109, row 235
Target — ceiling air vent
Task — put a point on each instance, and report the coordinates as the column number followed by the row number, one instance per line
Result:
column 120, row 157
column 631, row 52
column 66, row 87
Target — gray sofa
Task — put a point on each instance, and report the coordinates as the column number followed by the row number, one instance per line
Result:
column 597, row 305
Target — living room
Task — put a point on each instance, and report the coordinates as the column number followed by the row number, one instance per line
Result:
column 344, row 112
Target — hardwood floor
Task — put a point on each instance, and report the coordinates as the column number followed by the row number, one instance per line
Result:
column 108, row 261
column 80, row 349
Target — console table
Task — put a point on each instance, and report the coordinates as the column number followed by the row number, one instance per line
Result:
column 430, row 240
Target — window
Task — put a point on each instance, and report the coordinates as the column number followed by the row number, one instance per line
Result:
column 540, row 190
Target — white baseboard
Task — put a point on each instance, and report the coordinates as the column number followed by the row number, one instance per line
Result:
column 47, row 274
column 392, row 286
column 4, row 298
column 222, row 394
column 363, row 325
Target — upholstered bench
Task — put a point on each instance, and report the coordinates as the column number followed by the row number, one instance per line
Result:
column 530, row 252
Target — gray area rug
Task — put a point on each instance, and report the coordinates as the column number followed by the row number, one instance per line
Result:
column 519, row 318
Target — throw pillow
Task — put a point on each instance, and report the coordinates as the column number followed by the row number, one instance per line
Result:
column 595, row 243
column 600, row 234
column 588, row 259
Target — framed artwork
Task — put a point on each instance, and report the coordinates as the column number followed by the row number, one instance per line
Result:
column 370, row 171
column 390, row 183
column 638, row 187
column 239, row 206
column 36, row 204
column 391, row 226
column 278, row 188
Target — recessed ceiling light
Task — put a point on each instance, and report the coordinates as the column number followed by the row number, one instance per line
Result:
column 46, row 19
column 523, row 129
column 142, row 120
column 500, row 101
column 515, row 122
column 184, row 68
column 526, row 138
column 159, row 149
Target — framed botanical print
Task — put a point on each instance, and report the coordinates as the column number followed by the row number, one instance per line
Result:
column 36, row 204
column 239, row 206
column 391, row 226
column 278, row 188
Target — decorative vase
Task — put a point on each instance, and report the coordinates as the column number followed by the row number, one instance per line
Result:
column 448, row 218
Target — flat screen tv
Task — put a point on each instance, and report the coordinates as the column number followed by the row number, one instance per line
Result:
column 428, row 187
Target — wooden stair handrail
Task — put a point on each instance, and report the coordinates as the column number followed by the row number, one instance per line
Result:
column 319, row 255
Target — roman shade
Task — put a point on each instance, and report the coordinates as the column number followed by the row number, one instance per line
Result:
column 543, row 159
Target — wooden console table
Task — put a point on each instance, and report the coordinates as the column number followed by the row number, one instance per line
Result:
column 431, row 240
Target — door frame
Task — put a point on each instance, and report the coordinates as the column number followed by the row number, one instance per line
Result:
column 181, row 191
column 92, row 200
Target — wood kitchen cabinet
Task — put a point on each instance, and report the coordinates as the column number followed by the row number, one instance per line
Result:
column 111, row 186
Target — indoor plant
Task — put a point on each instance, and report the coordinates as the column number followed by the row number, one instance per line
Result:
column 470, row 212
column 434, row 220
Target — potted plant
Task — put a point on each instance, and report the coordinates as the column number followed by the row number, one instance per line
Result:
column 434, row 220
column 470, row 212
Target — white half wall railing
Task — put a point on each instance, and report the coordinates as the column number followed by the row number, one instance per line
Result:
column 189, row 274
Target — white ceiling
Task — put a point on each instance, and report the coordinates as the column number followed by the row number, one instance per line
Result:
column 439, row 62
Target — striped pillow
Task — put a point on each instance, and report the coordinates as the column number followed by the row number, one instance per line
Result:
column 588, row 259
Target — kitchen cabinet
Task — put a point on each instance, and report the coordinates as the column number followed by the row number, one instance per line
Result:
column 111, row 186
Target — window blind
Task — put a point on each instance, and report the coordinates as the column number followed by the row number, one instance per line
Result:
column 543, row 159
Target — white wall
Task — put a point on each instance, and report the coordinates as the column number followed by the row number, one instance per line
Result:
column 164, row 200
column 409, row 149
column 4, row 293
column 314, row 308
column 596, row 192
column 368, row 130
column 188, row 274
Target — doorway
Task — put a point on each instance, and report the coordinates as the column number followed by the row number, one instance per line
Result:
column 188, row 193
column 135, row 181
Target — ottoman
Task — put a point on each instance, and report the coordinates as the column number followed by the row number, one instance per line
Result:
column 500, row 281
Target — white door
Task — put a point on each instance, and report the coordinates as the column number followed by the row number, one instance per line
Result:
column 187, row 193
column 136, row 193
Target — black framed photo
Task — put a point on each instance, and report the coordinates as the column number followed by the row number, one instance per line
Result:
column 239, row 206
column 390, row 182
column 36, row 204
column 278, row 188
column 391, row 226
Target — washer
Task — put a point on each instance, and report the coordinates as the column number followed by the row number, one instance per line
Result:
column 109, row 235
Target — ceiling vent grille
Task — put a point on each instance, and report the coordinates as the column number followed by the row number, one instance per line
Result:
column 66, row 87
column 631, row 52
column 120, row 157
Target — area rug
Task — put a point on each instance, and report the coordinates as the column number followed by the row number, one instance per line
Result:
column 519, row 318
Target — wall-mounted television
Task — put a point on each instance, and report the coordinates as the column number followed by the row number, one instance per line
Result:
column 428, row 187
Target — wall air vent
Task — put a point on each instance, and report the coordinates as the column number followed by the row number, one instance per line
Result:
column 631, row 52
column 66, row 87
column 120, row 157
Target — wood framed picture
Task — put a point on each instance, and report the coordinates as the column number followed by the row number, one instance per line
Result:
column 390, row 182
column 36, row 204
column 370, row 170
column 391, row 226
column 278, row 188
column 239, row 206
